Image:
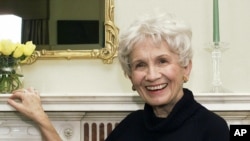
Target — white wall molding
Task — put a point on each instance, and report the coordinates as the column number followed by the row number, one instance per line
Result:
column 130, row 102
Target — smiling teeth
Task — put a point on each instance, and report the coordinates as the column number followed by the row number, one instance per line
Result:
column 157, row 87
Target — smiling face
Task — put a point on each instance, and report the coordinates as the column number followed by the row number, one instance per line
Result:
column 156, row 73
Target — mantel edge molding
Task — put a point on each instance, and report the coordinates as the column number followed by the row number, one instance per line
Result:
column 129, row 102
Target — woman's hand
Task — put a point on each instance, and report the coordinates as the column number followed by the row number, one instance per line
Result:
column 27, row 102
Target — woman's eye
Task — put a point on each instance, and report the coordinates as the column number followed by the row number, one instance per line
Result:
column 163, row 61
column 138, row 65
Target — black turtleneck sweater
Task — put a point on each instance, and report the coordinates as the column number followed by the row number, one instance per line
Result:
column 188, row 121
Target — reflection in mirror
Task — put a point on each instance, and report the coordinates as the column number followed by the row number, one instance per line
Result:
column 76, row 24
column 103, row 44
column 10, row 27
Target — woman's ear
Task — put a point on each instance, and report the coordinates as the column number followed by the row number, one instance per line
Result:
column 133, row 87
column 188, row 69
column 129, row 76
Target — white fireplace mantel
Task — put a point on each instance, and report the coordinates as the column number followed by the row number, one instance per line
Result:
column 129, row 102
column 234, row 107
column 71, row 112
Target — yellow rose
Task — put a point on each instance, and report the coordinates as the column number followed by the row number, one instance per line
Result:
column 7, row 47
column 0, row 47
column 19, row 51
column 29, row 48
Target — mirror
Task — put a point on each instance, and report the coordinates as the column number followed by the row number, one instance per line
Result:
column 106, row 52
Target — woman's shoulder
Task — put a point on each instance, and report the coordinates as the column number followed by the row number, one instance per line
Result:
column 211, row 121
column 210, row 116
column 131, row 121
column 211, row 125
column 134, row 116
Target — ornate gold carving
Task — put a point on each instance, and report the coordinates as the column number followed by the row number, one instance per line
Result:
column 107, row 53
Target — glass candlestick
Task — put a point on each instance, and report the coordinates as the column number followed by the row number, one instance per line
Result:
column 216, row 49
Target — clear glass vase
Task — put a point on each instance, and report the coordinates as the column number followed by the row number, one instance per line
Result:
column 11, row 76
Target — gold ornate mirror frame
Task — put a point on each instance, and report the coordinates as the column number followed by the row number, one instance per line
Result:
column 107, row 53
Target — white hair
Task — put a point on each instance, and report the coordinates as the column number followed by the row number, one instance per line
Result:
column 159, row 27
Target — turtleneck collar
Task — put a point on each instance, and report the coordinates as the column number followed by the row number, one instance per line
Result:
column 183, row 109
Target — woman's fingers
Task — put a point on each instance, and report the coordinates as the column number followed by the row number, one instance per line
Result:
column 33, row 90
column 15, row 103
column 26, row 101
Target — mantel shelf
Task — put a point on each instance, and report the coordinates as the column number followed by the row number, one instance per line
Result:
column 129, row 102
column 71, row 111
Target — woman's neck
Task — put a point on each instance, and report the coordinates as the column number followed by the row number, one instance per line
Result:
column 162, row 111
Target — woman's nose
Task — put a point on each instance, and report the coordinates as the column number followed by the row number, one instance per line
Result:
column 153, row 73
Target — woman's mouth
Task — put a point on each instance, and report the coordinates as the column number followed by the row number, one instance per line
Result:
column 156, row 87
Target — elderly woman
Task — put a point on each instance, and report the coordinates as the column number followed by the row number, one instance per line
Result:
column 156, row 55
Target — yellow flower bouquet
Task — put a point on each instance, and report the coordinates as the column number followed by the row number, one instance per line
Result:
column 11, row 54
